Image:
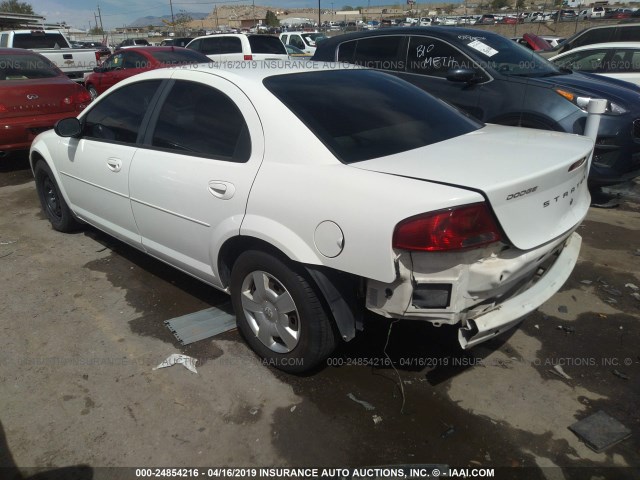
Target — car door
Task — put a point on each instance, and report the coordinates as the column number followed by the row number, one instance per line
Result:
column 109, row 72
column 95, row 171
column 428, row 63
column 191, row 181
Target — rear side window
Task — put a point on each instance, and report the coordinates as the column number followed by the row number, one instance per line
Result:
column 26, row 66
column 230, row 45
column 380, row 52
column 199, row 120
column 628, row 34
column 4, row 39
column 210, row 46
column 347, row 51
column 267, row 44
column 364, row 114
column 598, row 35
column 179, row 57
column 118, row 116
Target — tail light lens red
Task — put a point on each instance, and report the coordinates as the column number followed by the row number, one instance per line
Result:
column 459, row 228
column 248, row 57
column 80, row 99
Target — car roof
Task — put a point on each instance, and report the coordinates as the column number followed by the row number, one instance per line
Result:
column 607, row 45
column 440, row 30
column 244, row 77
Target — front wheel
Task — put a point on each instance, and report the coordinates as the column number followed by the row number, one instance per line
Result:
column 279, row 313
column 52, row 201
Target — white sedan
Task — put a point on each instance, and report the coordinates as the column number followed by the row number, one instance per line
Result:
column 619, row 60
column 376, row 196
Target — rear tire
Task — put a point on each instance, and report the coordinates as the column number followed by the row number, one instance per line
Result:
column 52, row 201
column 279, row 313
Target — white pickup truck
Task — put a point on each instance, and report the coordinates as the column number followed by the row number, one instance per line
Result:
column 74, row 62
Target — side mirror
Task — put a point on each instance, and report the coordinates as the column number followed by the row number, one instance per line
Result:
column 68, row 127
column 465, row 75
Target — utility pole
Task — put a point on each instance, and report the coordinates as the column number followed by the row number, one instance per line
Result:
column 100, row 17
column 173, row 21
column 319, row 19
column 253, row 7
column 95, row 17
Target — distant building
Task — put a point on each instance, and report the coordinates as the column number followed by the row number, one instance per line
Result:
column 12, row 21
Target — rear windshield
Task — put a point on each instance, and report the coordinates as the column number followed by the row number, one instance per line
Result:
column 179, row 57
column 266, row 44
column 39, row 40
column 25, row 67
column 364, row 114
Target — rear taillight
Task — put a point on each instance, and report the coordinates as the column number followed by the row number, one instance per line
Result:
column 80, row 99
column 248, row 57
column 458, row 228
column 98, row 56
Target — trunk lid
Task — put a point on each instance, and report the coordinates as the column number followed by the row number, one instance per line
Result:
column 22, row 98
column 533, row 179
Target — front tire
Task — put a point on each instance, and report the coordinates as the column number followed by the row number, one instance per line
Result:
column 279, row 313
column 52, row 201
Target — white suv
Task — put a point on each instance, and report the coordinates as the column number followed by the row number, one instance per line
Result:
column 238, row 46
column 305, row 41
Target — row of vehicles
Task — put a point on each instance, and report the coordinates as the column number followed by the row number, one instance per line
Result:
column 191, row 165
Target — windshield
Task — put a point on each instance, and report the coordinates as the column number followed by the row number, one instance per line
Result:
column 508, row 57
column 312, row 38
column 364, row 114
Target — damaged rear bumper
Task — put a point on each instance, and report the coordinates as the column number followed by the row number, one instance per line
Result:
column 485, row 292
column 510, row 313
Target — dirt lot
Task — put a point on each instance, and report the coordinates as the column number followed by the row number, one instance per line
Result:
column 81, row 328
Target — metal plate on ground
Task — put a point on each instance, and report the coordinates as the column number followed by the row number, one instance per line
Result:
column 203, row 324
column 600, row 431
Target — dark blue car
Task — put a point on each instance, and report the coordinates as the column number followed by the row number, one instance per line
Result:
column 498, row 81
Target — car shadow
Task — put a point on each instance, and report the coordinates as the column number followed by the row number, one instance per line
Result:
column 10, row 471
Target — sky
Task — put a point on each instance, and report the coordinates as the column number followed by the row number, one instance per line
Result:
column 117, row 13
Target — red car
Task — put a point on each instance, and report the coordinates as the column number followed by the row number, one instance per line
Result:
column 34, row 95
column 131, row 61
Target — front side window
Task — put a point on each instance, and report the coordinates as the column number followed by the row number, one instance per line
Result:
column 296, row 41
column 199, row 120
column 117, row 117
column 433, row 57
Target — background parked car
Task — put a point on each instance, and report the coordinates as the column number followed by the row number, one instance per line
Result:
column 176, row 42
column 615, row 60
column 239, row 46
column 131, row 61
column 212, row 183
column 305, row 41
column 34, row 95
column 296, row 52
column 134, row 42
column 498, row 81
column 622, row 32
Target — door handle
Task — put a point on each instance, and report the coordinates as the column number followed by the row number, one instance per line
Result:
column 114, row 164
column 222, row 190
